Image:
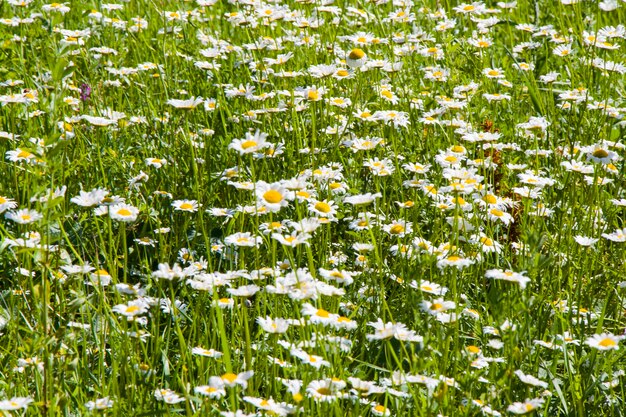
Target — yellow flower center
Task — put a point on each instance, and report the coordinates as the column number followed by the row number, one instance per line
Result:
column 186, row 206
column 230, row 377
column 458, row 149
column 356, row 54
column 396, row 229
column 496, row 212
column 343, row 73
column 124, row 212
column 600, row 153
column 323, row 207
column 606, row 342
column 322, row 313
column 132, row 309
column 473, row 349
column 490, row 198
column 24, row 154
column 248, row 144
column 313, row 95
column 273, row 196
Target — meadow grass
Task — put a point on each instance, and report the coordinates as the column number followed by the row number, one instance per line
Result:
column 378, row 208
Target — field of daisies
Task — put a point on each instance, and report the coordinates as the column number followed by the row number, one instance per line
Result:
column 312, row 208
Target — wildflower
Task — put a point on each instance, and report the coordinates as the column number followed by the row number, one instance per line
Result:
column 526, row 406
column 585, row 241
column 190, row 103
column 398, row 228
column 323, row 208
column 15, row 403
column 362, row 199
column 531, row 380
column 90, row 198
column 244, row 239
column 123, row 212
column 214, row 391
column 457, row 261
column 185, row 205
column 99, row 404
column 24, row 216
column 497, row 214
column 508, row 275
column 324, row 390
column 618, row 235
column 306, row 358
column 232, row 380
column 156, row 162
column 273, row 325
column 133, row 309
column 167, row 396
column 356, row 58
column 209, row 353
column 19, row 155
column 604, row 341
column 273, row 196
column 437, row 306
column 250, row 144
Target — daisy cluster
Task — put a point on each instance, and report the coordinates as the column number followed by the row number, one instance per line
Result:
column 290, row 207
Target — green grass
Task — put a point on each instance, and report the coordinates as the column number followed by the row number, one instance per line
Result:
column 108, row 297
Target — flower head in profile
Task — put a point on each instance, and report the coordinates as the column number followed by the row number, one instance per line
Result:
column 508, row 275
column 230, row 379
column 190, row 103
column 356, row 58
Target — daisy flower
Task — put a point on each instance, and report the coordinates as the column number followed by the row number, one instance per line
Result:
column 190, row 103
column 15, row 403
column 323, row 208
column 185, row 205
column 243, row 239
column 250, row 144
column 24, row 216
column 99, row 404
column 7, row 204
column 362, row 199
column 508, row 275
column 273, row 196
column 209, row 353
column 123, row 212
column 604, row 341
